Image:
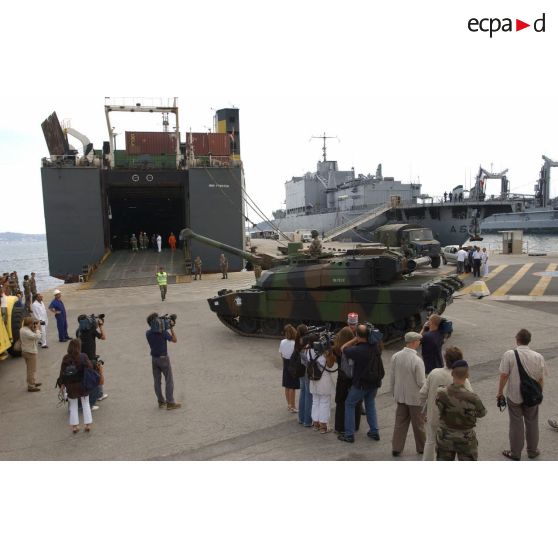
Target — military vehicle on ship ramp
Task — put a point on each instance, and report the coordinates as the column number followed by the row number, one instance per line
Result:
column 411, row 241
column 322, row 290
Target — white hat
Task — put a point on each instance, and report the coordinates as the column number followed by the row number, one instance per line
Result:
column 411, row 336
column 57, row 291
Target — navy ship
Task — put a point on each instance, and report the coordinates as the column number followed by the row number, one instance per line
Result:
column 161, row 182
column 340, row 204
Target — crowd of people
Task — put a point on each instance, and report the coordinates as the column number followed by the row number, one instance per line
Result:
column 143, row 242
column 472, row 259
column 429, row 383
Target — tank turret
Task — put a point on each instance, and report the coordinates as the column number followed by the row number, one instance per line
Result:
column 323, row 290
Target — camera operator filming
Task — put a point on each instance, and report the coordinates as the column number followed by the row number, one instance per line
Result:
column 159, row 333
column 90, row 329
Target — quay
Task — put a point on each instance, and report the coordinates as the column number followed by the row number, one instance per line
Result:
column 230, row 386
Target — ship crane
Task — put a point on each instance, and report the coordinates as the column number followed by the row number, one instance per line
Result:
column 87, row 145
column 542, row 187
column 478, row 191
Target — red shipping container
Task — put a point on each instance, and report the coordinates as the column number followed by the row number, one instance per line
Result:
column 150, row 143
column 203, row 144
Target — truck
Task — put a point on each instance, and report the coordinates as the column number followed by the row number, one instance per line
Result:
column 413, row 241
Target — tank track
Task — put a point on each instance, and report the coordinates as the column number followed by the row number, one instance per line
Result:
column 256, row 327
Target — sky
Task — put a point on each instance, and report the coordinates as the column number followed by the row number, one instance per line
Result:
column 404, row 85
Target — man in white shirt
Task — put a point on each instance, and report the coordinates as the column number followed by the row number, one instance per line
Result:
column 40, row 313
column 407, row 378
column 461, row 255
column 477, row 256
column 524, row 420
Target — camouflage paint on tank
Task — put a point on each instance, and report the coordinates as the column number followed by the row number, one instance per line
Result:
column 323, row 289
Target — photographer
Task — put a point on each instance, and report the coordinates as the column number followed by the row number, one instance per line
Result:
column 29, row 335
column 367, row 378
column 157, row 336
column 90, row 329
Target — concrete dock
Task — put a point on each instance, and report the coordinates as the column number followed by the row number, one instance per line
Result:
column 230, row 386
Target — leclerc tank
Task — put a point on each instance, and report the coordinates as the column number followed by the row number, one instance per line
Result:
column 322, row 290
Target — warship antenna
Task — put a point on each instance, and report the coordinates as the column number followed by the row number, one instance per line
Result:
column 325, row 138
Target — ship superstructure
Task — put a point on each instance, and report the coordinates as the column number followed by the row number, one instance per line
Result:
column 340, row 204
column 161, row 182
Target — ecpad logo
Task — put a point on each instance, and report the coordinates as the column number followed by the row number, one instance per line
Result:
column 493, row 25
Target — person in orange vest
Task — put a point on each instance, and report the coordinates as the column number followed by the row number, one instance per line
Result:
column 172, row 241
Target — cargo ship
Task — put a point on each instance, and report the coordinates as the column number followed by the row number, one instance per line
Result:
column 342, row 205
column 160, row 183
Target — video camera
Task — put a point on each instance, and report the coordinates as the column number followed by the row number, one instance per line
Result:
column 320, row 338
column 90, row 322
column 374, row 334
column 163, row 323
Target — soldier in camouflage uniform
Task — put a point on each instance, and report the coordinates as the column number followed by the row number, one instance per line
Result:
column 315, row 248
column 459, row 409
column 224, row 265
column 27, row 292
column 197, row 268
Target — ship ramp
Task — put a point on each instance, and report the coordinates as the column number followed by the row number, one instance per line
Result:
column 133, row 269
column 357, row 221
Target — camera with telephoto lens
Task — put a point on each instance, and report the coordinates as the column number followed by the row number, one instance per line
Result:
column 501, row 402
column 163, row 323
column 90, row 322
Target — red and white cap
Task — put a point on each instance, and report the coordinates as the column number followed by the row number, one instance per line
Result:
column 352, row 318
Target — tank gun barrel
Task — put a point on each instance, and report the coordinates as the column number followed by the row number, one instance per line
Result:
column 263, row 260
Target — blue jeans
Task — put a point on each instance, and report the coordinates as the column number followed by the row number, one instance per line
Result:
column 95, row 394
column 369, row 398
column 305, row 402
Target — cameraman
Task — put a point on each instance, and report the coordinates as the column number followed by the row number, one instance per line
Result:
column 367, row 374
column 90, row 329
column 157, row 337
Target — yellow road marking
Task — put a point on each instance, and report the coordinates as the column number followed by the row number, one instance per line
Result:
column 540, row 287
column 501, row 291
column 490, row 276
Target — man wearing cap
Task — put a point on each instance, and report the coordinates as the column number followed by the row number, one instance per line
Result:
column 459, row 409
column 407, row 378
column 59, row 310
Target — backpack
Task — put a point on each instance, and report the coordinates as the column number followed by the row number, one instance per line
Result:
column 375, row 372
column 314, row 369
column 295, row 367
column 530, row 389
column 70, row 374
column 91, row 378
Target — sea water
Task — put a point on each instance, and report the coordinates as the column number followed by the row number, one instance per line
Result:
column 25, row 256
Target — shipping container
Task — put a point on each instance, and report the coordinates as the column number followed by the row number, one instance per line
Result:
column 150, row 143
column 202, row 144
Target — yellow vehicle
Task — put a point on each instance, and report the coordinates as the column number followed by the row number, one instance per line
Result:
column 9, row 333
